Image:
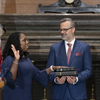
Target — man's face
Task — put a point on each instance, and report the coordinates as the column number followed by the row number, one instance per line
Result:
column 66, row 31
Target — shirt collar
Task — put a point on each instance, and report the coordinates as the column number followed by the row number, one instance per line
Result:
column 72, row 42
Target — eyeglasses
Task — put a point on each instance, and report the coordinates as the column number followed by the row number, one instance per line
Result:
column 65, row 29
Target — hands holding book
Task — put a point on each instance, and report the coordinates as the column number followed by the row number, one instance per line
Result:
column 66, row 74
column 62, row 80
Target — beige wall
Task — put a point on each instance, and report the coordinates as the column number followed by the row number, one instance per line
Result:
column 30, row 6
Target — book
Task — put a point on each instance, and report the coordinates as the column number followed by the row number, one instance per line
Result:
column 65, row 69
column 66, row 73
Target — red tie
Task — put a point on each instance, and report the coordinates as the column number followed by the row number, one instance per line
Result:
column 68, row 53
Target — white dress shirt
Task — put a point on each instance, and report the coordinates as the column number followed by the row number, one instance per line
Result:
column 66, row 46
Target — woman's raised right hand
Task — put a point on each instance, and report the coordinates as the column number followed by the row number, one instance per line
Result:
column 16, row 52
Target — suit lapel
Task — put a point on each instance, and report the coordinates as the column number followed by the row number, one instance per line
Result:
column 63, row 52
column 75, row 48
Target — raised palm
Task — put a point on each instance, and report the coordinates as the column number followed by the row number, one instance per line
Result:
column 16, row 52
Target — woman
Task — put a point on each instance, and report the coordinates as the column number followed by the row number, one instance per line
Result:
column 18, row 69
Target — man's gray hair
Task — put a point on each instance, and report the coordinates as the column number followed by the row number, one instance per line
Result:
column 72, row 23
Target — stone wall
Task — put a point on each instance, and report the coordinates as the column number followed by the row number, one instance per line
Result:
column 43, row 30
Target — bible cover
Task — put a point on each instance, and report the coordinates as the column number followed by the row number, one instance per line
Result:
column 65, row 69
column 67, row 73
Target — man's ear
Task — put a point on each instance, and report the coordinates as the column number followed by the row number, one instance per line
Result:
column 73, row 29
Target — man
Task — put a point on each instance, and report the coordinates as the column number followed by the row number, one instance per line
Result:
column 71, row 53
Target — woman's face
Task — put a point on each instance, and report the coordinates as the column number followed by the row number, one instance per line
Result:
column 23, row 43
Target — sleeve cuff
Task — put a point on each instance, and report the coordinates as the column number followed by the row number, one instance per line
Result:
column 56, row 81
column 76, row 81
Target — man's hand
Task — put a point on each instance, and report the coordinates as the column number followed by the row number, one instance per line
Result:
column 71, row 79
column 61, row 80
